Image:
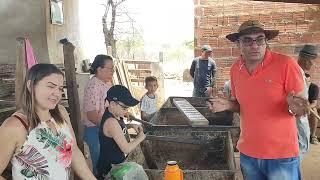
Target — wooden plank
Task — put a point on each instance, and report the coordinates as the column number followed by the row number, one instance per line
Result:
column 315, row 114
column 118, row 74
column 127, row 82
column 137, row 80
column 137, row 62
column 21, row 70
column 72, row 91
column 294, row 1
column 125, row 68
column 7, row 109
column 138, row 71
column 194, row 117
column 122, row 75
column 65, row 86
column 230, row 153
column 125, row 75
column 141, row 121
column 174, row 139
column 215, row 145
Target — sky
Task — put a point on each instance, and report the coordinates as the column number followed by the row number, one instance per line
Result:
column 167, row 22
column 164, row 21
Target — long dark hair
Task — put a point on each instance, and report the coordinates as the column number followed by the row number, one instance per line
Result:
column 99, row 61
column 35, row 74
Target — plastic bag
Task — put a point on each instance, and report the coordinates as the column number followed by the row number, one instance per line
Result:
column 127, row 171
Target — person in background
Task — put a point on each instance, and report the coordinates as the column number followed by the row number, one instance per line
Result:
column 202, row 70
column 94, row 102
column 266, row 88
column 149, row 101
column 313, row 100
column 114, row 137
column 227, row 89
column 227, row 94
column 306, row 58
column 38, row 139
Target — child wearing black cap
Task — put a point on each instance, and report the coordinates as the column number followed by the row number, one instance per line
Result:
column 114, row 138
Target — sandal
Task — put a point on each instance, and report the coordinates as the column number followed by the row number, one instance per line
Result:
column 314, row 140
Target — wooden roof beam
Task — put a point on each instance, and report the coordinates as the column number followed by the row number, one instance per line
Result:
column 294, row 1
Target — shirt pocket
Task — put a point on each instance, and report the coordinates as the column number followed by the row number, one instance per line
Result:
column 272, row 90
column 273, row 84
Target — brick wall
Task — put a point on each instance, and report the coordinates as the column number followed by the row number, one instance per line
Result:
column 214, row 19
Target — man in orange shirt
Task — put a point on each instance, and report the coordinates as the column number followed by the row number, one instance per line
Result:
column 266, row 89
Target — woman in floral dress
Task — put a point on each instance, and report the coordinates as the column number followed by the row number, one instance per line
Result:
column 38, row 139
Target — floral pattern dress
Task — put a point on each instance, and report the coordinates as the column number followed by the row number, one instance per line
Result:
column 44, row 155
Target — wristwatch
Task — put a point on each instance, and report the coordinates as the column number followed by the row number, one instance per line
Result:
column 291, row 112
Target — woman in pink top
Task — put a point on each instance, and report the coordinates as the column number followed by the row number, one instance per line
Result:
column 95, row 104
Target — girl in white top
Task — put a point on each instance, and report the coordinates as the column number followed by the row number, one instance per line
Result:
column 38, row 139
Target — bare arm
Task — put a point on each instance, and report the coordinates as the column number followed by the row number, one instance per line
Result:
column 314, row 92
column 219, row 104
column 234, row 105
column 294, row 86
column 313, row 104
column 297, row 104
column 94, row 117
column 79, row 164
column 144, row 116
column 111, row 128
column 78, row 161
column 214, row 71
column 92, row 100
column 192, row 69
column 12, row 133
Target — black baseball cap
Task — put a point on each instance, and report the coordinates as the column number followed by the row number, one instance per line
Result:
column 122, row 94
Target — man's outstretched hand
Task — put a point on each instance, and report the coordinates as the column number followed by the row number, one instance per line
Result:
column 298, row 106
column 217, row 104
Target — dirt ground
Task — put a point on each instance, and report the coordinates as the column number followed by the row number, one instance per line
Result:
column 310, row 164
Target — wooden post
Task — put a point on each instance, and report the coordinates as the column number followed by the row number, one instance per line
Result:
column 294, row 1
column 21, row 70
column 72, row 91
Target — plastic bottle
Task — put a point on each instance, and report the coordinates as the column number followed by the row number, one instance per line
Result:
column 172, row 171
